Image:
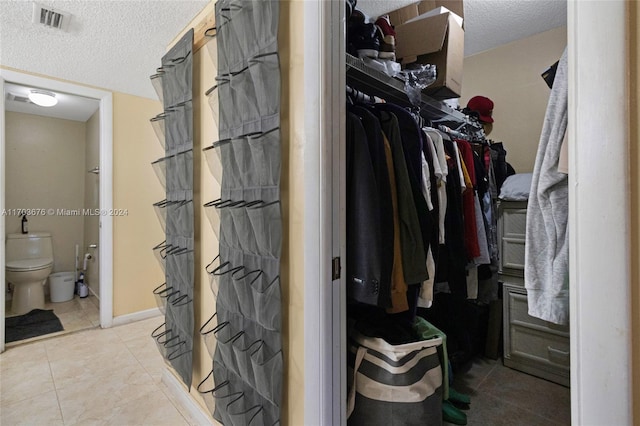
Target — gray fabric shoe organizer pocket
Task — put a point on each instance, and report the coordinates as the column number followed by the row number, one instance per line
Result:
column 168, row 295
column 245, row 384
column 174, row 129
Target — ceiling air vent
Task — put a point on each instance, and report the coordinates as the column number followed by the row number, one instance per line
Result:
column 17, row 98
column 49, row 17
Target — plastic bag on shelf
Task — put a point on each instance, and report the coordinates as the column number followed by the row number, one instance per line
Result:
column 390, row 68
column 416, row 78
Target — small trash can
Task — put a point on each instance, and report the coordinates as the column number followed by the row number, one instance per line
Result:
column 61, row 286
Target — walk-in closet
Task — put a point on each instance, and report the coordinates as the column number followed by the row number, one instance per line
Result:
column 456, row 114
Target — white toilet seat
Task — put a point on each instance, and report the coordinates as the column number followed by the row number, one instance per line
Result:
column 28, row 265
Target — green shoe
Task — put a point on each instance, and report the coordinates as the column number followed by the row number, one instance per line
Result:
column 456, row 396
column 452, row 415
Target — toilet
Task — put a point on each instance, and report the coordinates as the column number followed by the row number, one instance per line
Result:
column 29, row 261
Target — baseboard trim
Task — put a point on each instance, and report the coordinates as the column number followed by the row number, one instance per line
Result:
column 136, row 316
column 180, row 395
column 92, row 291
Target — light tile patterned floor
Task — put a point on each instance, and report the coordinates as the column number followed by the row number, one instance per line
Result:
column 76, row 314
column 92, row 377
column 113, row 377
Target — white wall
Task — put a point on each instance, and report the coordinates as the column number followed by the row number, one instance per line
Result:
column 45, row 170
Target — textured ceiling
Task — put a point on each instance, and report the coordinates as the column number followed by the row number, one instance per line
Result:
column 117, row 44
column 111, row 44
column 69, row 107
column 492, row 23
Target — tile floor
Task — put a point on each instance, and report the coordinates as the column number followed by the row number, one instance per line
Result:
column 113, row 377
column 501, row 396
column 94, row 377
column 76, row 314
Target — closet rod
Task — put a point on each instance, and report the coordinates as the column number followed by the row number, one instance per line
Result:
column 366, row 79
column 452, row 132
column 362, row 96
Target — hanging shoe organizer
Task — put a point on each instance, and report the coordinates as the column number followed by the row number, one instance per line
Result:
column 243, row 336
column 174, row 128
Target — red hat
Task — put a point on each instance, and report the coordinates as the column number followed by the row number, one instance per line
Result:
column 483, row 106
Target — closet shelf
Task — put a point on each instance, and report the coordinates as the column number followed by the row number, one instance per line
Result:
column 373, row 82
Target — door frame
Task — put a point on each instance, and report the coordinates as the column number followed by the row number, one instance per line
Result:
column 600, row 238
column 599, row 213
column 106, row 183
column 324, row 213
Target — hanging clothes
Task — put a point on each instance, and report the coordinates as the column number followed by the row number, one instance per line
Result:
column 384, row 210
column 425, row 297
column 452, row 257
column 412, row 246
column 412, row 142
column 364, row 268
column 468, row 201
column 441, row 172
column 481, row 189
column 398, row 284
column 547, row 250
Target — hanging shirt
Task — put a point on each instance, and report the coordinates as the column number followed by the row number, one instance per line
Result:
column 426, row 183
column 383, row 210
column 425, row 300
column 468, row 202
column 398, row 285
column 440, row 156
column 452, row 261
column 483, row 258
column 364, row 251
column 460, row 173
column 465, row 174
column 413, row 253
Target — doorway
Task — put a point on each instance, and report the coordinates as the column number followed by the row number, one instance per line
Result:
column 104, row 266
column 601, row 394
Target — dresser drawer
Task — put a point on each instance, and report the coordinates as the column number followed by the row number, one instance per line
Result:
column 539, row 346
column 512, row 226
column 532, row 345
column 518, row 311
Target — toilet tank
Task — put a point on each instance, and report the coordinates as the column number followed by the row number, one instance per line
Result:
column 29, row 246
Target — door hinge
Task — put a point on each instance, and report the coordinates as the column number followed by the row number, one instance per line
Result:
column 335, row 268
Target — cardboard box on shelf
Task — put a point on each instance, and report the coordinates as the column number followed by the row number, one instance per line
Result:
column 437, row 11
column 404, row 14
column 437, row 40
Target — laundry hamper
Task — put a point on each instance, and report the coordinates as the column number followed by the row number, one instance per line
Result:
column 393, row 384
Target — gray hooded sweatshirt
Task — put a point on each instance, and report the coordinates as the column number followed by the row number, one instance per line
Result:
column 546, row 269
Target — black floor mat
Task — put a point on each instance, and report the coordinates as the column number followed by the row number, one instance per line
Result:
column 35, row 323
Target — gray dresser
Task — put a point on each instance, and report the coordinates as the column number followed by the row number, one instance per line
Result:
column 531, row 345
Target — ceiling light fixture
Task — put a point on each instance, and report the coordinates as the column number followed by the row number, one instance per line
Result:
column 43, row 98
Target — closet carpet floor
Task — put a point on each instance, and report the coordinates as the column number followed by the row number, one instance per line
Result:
column 503, row 396
column 92, row 377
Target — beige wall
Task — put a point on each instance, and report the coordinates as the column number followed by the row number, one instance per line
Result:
column 634, row 55
column 92, row 201
column 136, row 272
column 291, row 47
column 510, row 76
column 45, row 170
